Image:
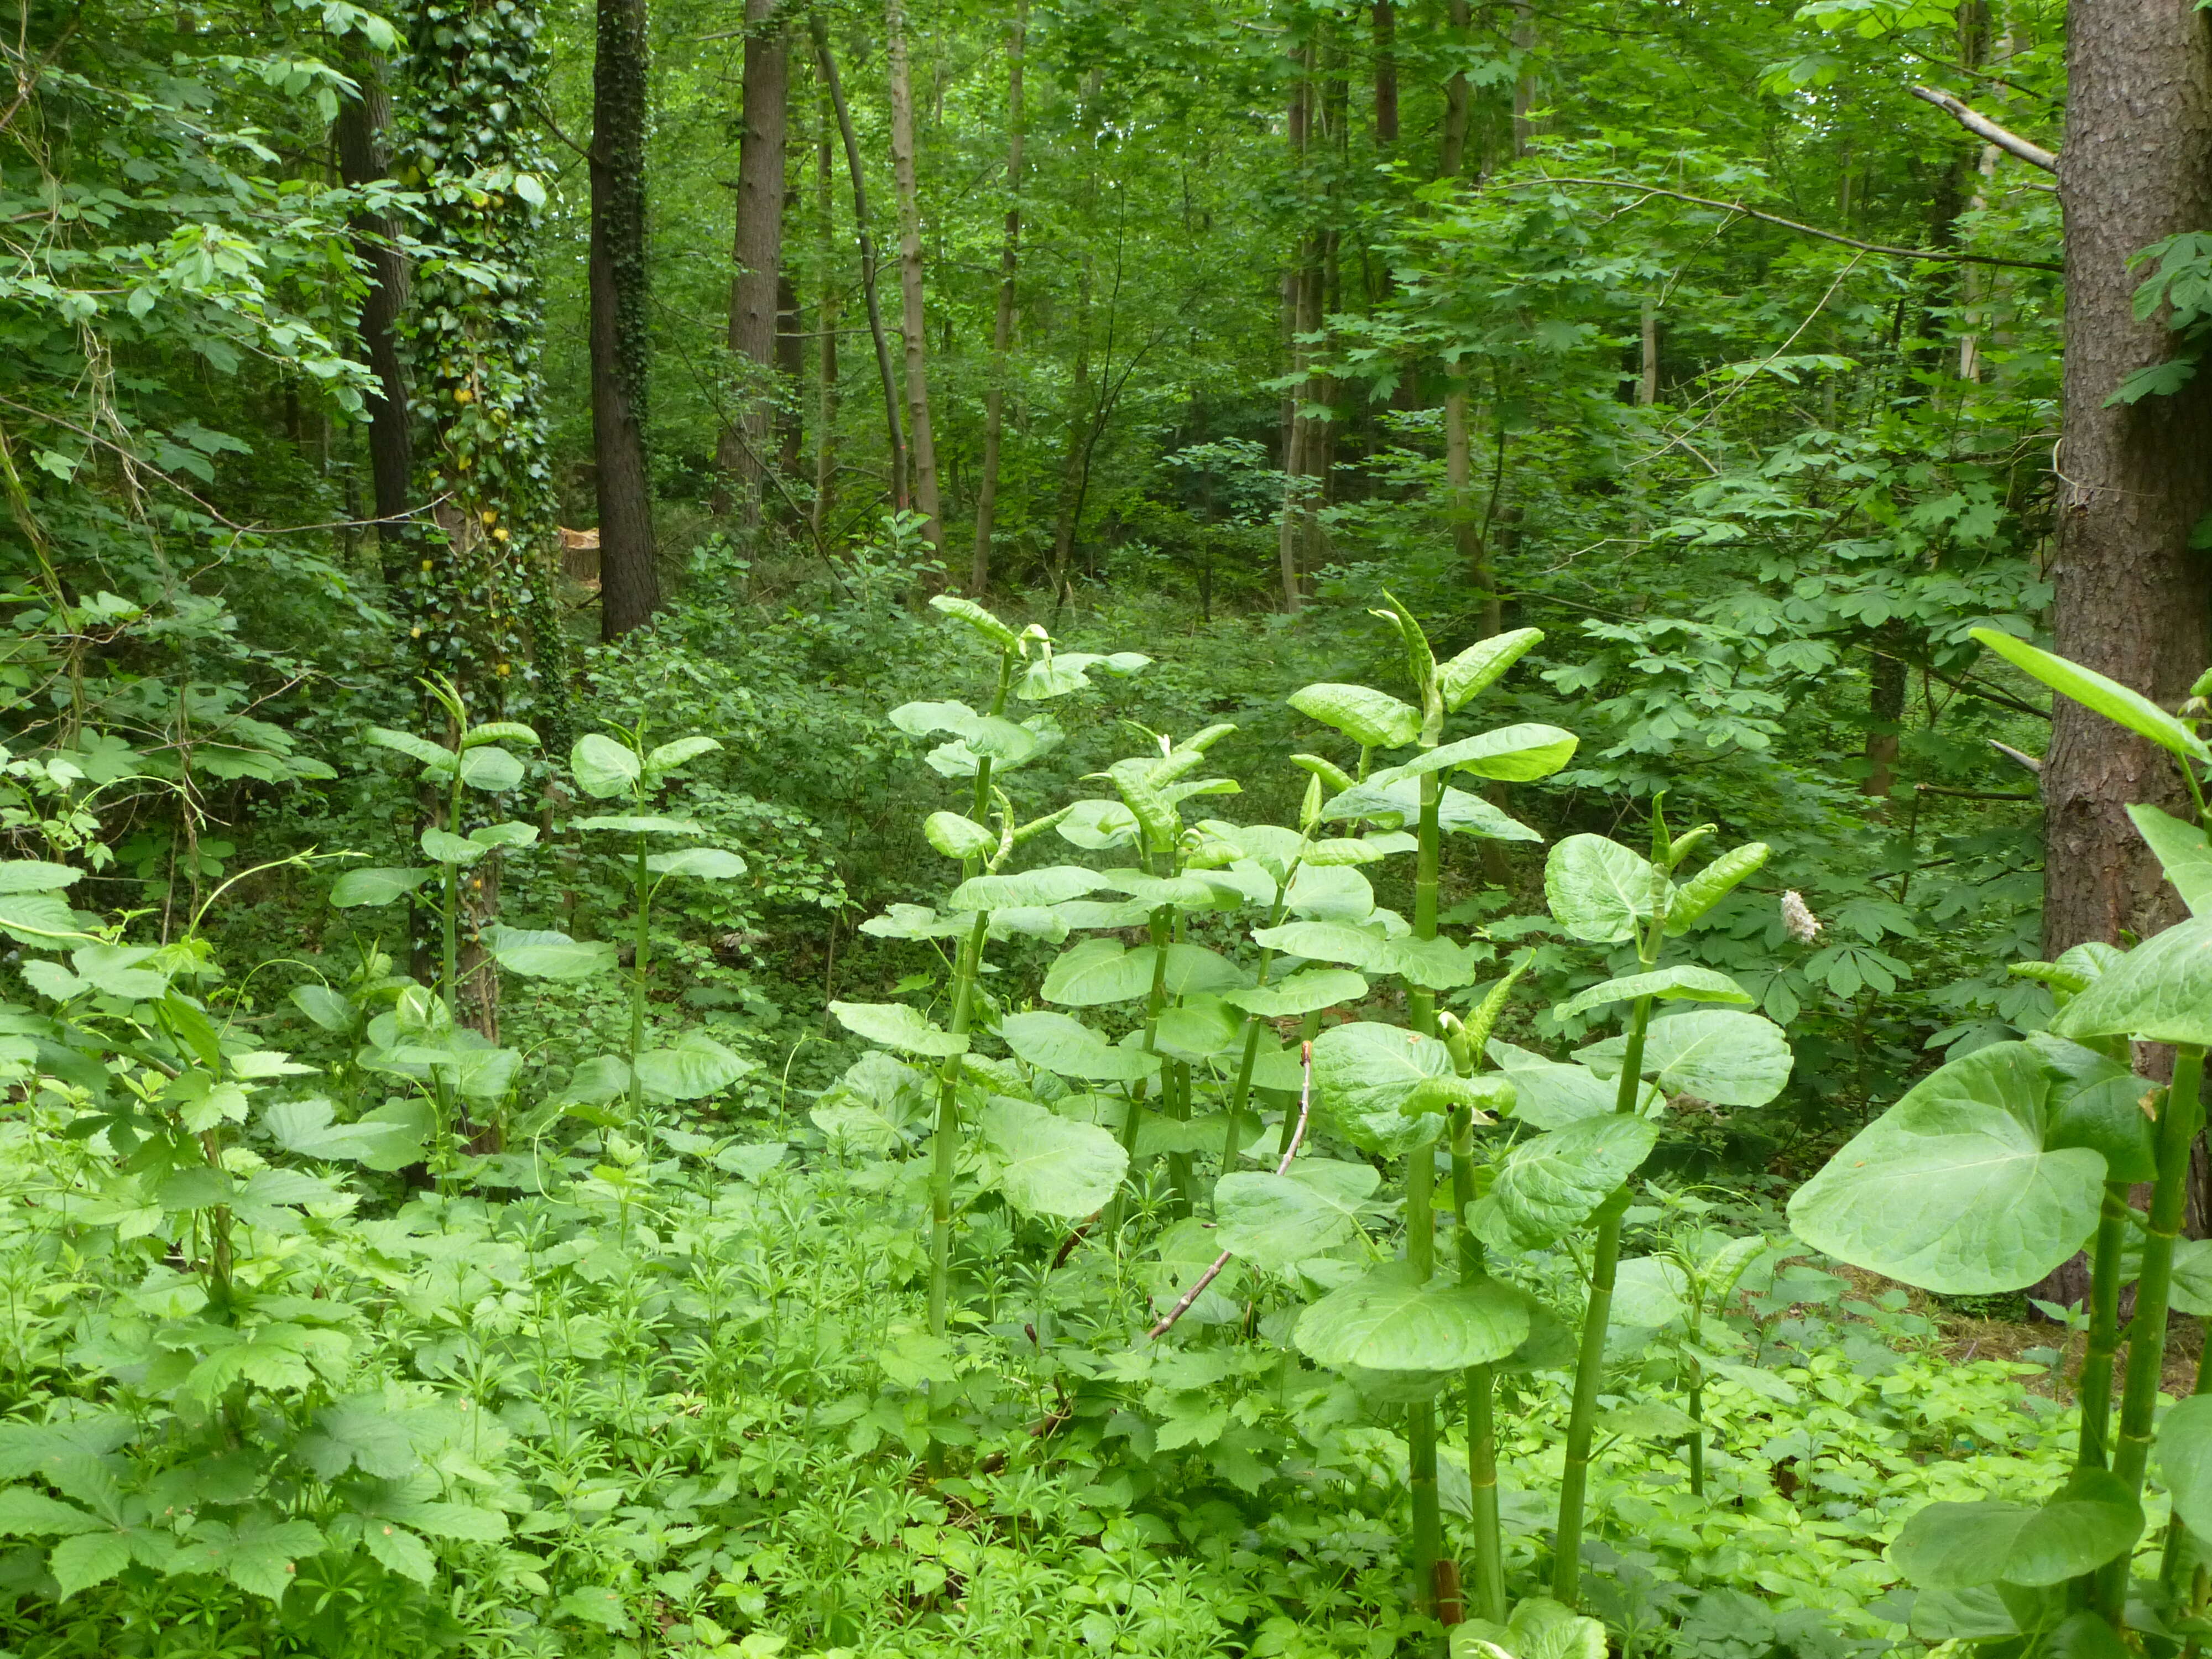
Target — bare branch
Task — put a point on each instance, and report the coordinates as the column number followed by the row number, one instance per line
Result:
column 1988, row 130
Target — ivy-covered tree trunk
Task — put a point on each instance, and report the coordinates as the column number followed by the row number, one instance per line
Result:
column 480, row 604
column 361, row 131
column 629, row 584
column 2133, row 599
column 756, row 253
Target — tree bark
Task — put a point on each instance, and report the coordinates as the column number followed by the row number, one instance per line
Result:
column 2132, row 600
column 359, row 130
column 1002, row 326
column 757, row 255
column 1524, row 83
column 630, row 585
column 912, row 324
column 1459, row 100
column 1290, row 531
column 825, row 322
column 820, row 26
column 1386, row 72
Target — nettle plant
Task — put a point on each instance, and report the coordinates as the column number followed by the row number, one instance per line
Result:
column 2003, row 1163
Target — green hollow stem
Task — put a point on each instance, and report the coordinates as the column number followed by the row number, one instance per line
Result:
column 1155, row 1000
column 945, row 1150
column 1589, row 1361
column 1480, row 1384
column 2096, row 1384
column 450, row 965
column 1421, row 1416
column 1697, row 1430
column 641, row 960
column 2178, row 1121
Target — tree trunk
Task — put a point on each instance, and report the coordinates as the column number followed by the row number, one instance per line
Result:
column 1885, row 689
column 790, row 371
column 1524, row 83
column 1459, row 100
column 912, row 325
column 825, row 323
column 820, row 26
column 1072, row 459
column 1291, row 532
column 360, row 128
column 2132, row 600
column 756, row 256
column 1002, row 327
column 1386, row 72
column 630, row 585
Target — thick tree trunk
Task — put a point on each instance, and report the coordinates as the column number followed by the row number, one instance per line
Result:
column 630, row 585
column 757, row 254
column 820, row 26
column 2132, row 600
column 1386, row 72
column 1002, row 326
column 912, row 324
column 359, row 130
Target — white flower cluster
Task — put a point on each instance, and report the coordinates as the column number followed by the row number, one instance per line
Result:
column 1798, row 921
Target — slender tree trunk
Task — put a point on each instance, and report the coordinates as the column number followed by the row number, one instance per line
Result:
column 757, row 255
column 1647, row 382
column 825, row 321
column 791, row 370
column 1386, row 72
column 359, row 130
column 1002, row 327
column 1291, row 532
column 912, row 324
column 820, row 26
column 1524, row 83
column 1072, row 459
column 1886, row 689
column 2132, row 598
column 630, row 585
column 1459, row 99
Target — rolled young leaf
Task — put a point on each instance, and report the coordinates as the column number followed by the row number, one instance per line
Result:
column 1695, row 896
column 1371, row 719
column 1684, row 982
column 1477, row 668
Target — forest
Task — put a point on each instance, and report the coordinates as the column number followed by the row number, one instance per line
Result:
column 1049, row 829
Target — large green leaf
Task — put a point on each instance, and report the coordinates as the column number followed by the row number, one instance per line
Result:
column 603, row 768
column 443, row 846
column 1365, row 1072
column 34, row 876
column 642, row 823
column 1390, row 1320
column 1955, row 1188
column 694, row 1067
column 1512, row 754
column 541, row 954
column 1330, row 941
column 2160, row 991
column 1548, row 1095
column 681, row 751
column 490, row 769
column 1051, row 1165
column 895, row 1025
column 967, row 610
column 1097, row 972
column 1301, row 993
column 1399, row 802
column 1274, row 1220
column 367, row 887
column 1598, row 890
column 1552, row 1184
column 1374, row 719
column 2115, row 702
column 2182, row 853
column 1065, row 1046
column 1684, row 982
column 435, row 756
column 2184, row 1454
column 1954, row 1546
column 1200, row 1027
column 1719, row 1054
column 2097, row 1102
column 1048, row 886
column 957, row 836
column 1097, row 825
column 1477, row 668
column 1713, row 884
column 707, row 863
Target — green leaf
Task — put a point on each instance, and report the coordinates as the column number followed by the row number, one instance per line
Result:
column 2097, row 1102
column 603, row 768
column 1539, row 1628
column 1063, row 1045
column 490, row 769
column 1390, row 1320
column 1273, row 1220
column 358, row 1431
column 2191, row 1291
column 1049, row 886
column 1374, row 719
column 443, row 846
column 34, row 876
column 1955, row 1188
column 707, row 863
column 499, row 731
column 1718, row 1055
column 1097, row 825
column 434, row 757
column 958, row 837
column 1097, row 972
column 1365, row 1072
column 1512, row 754
column 669, row 756
column 977, row 617
column 2182, row 853
column 1713, row 884
column 541, row 954
column 92, row 1558
column 2184, row 1454
column 1330, row 941
column 895, row 1025
column 1598, row 890
column 399, row 1550
column 1685, row 982
column 505, row 835
column 2159, row 992
column 2115, row 703
column 1649, row 1291
column 693, row 1068
column 1954, row 1547
column 257, row 1555
column 370, row 887
column 642, row 823
column 325, row 1006
column 1051, row 1165
column 1458, row 812
column 1466, row 675
column 25, row 1511
column 1198, row 1027
column 1551, row 1185
column 1302, row 992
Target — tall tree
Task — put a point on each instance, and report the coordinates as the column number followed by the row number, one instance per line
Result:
column 1459, row 96
column 1386, row 72
column 2132, row 598
column 1002, row 324
column 825, row 314
column 756, row 249
column 361, row 130
column 629, row 583
column 913, row 325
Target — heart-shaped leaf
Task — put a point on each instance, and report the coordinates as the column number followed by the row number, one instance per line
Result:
column 1301, row 993
column 1365, row 1072
column 1598, row 890
column 539, row 954
column 1954, row 1547
column 602, row 767
column 694, row 1067
column 1718, row 1055
column 1273, row 1220
column 1391, row 1320
column 1063, row 1045
column 1051, row 1165
column 895, row 1025
column 2159, row 992
column 1551, row 1185
column 368, row 887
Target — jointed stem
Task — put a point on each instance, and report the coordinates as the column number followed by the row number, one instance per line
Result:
column 2096, row 1384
